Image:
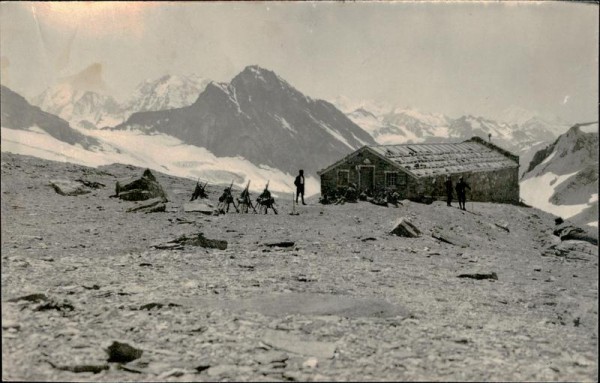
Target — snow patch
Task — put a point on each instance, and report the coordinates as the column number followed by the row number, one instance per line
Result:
column 158, row 152
column 537, row 192
column 285, row 124
column 548, row 158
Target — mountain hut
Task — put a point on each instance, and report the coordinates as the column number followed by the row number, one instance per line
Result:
column 418, row 171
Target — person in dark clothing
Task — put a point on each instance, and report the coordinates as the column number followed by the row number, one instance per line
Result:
column 461, row 187
column 299, row 182
column 449, row 190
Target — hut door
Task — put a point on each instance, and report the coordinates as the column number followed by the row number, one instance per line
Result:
column 366, row 178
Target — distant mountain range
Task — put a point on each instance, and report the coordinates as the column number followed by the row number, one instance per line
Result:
column 18, row 114
column 262, row 118
column 562, row 178
column 83, row 99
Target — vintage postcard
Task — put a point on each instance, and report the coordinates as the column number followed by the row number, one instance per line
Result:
column 299, row 191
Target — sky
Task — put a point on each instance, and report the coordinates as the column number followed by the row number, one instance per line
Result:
column 453, row 58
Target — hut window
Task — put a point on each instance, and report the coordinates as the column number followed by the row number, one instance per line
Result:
column 391, row 179
column 343, row 177
column 401, row 179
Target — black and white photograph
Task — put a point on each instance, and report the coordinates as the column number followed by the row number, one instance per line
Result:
column 299, row 191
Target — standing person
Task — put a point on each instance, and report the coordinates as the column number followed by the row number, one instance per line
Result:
column 449, row 190
column 461, row 187
column 299, row 182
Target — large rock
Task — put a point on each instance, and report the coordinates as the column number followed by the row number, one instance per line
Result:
column 197, row 240
column 197, row 206
column 566, row 231
column 69, row 188
column 150, row 206
column 448, row 237
column 404, row 228
column 144, row 188
column 480, row 276
column 122, row 353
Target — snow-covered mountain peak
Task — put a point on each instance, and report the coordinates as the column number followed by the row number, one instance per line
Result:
column 167, row 92
column 255, row 77
column 362, row 112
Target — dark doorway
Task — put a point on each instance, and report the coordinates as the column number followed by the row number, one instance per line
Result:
column 366, row 178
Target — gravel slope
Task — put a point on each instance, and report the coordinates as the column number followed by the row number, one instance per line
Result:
column 346, row 302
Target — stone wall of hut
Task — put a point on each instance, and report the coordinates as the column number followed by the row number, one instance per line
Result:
column 330, row 181
column 486, row 186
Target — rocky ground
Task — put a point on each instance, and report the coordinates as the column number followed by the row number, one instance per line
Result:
column 345, row 301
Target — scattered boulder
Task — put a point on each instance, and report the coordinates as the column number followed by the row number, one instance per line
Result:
column 566, row 231
column 35, row 298
column 575, row 250
column 91, row 184
column 55, row 305
column 93, row 368
column 197, row 206
column 404, row 228
column 122, row 353
column 280, row 244
column 69, row 188
column 152, row 206
column 169, row 246
column 271, row 357
column 198, row 240
column 445, row 236
column 479, row 276
column 142, row 189
column 43, row 303
column 154, row 305
column 202, row 366
column 502, row 225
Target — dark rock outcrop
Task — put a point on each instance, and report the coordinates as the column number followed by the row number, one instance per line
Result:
column 122, row 353
column 142, row 189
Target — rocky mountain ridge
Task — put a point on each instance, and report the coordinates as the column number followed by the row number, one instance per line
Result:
column 563, row 177
column 262, row 118
column 18, row 114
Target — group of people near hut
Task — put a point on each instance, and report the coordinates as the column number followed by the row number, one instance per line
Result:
column 383, row 197
column 461, row 192
column 351, row 194
column 264, row 202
